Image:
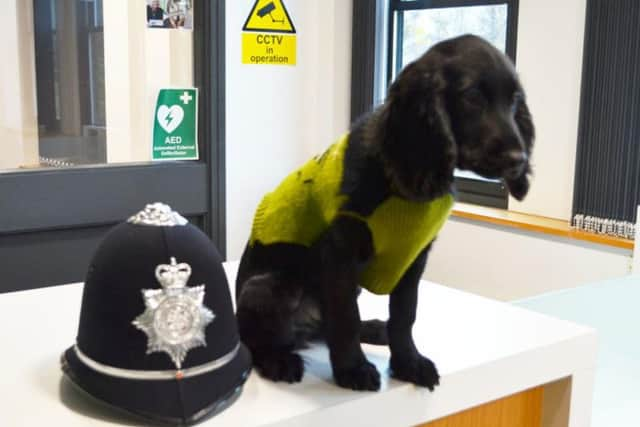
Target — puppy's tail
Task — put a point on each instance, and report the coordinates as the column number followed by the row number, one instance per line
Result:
column 374, row 332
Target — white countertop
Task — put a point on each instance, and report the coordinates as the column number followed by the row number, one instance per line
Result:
column 484, row 350
column 610, row 307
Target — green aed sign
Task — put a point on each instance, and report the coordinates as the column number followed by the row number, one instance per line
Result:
column 175, row 125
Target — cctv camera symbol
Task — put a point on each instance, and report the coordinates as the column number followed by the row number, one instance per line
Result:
column 266, row 10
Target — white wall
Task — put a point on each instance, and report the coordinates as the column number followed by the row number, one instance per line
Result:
column 549, row 60
column 278, row 116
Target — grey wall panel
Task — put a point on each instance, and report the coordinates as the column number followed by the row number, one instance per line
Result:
column 97, row 196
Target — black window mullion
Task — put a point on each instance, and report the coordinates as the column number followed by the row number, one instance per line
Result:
column 209, row 77
column 391, row 37
column 399, row 47
column 512, row 29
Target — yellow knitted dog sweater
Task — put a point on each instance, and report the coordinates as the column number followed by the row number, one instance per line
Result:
column 303, row 206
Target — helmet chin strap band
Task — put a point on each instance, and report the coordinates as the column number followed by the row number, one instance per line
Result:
column 133, row 374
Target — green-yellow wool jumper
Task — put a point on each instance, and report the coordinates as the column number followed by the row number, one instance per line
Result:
column 308, row 200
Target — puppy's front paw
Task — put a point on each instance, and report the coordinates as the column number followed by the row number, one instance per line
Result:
column 416, row 369
column 364, row 376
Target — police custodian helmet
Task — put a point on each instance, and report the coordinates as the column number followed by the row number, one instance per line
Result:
column 157, row 336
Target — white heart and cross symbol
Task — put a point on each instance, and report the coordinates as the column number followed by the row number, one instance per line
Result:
column 170, row 117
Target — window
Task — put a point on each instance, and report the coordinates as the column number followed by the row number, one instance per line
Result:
column 68, row 70
column 418, row 25
column 70, row 85
column 402, row 30
column 80, row 79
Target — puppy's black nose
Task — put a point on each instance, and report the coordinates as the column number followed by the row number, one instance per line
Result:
column 515, row 163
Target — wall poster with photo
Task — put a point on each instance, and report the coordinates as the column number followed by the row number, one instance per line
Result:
column 170, row 14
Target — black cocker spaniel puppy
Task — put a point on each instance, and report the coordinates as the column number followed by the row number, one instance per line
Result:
column 365, row 214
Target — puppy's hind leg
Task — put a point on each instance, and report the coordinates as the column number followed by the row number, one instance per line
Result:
column 266, row 303
column 374, row 332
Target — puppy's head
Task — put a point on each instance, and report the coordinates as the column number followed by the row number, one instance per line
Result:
column 459, row 105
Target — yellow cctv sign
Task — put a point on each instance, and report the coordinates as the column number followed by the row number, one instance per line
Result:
column 269, row 37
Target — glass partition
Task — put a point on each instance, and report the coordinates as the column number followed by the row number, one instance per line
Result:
column 80, row 78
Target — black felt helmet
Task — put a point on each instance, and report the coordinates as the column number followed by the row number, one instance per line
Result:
column 157, row 336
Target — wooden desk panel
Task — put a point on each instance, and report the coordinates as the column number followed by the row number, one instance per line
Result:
column 518, row 410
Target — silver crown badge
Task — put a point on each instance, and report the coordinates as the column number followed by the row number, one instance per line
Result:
column 175, row 317
column 159, row 215
column 174, row 275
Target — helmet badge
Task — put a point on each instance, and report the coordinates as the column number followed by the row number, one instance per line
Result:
column 175, row 318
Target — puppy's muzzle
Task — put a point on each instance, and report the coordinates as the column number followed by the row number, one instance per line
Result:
column 515, row 162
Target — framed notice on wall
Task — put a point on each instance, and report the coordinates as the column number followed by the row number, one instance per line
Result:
column 170, row 14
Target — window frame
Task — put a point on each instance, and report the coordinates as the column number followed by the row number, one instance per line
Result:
column 374, row 33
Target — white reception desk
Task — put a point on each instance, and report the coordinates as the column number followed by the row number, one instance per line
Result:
column 527, row 364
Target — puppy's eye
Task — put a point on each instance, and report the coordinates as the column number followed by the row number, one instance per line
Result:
column 474, row 97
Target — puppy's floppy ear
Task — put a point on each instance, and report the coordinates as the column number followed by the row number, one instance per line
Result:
column 525, row 125
column 414, row 132
column 519, row 187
